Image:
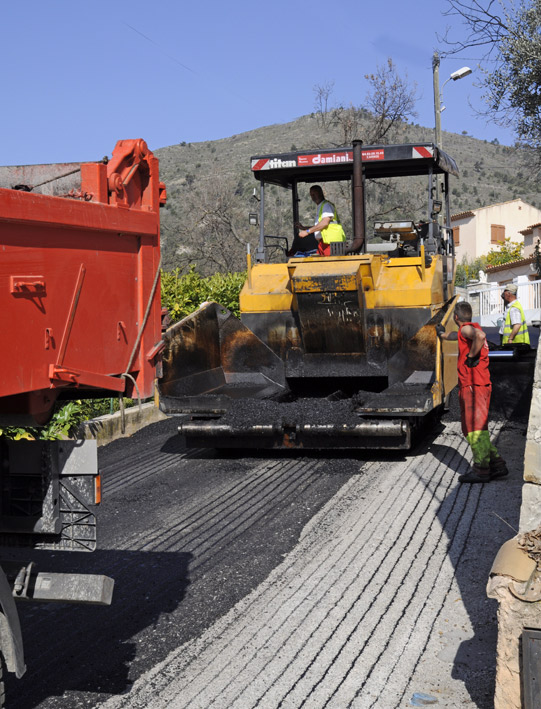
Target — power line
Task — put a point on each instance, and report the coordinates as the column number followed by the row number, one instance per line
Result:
column 184, row 66
column 170, row 56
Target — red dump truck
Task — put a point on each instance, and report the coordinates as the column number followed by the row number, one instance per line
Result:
column 81, row 317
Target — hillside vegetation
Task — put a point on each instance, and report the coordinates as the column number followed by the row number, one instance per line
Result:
column 210, row 186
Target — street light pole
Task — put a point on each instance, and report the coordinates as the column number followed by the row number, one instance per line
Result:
column 438, row 108
column 437, row 98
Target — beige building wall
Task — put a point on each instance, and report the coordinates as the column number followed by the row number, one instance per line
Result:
column 531, row 235
column 505, row 220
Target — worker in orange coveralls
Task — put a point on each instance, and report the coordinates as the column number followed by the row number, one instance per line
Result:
column 474, row 390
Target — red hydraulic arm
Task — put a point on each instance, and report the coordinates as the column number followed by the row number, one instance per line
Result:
column 79, row 285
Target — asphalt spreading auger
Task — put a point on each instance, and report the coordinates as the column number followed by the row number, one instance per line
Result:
column 337, row 351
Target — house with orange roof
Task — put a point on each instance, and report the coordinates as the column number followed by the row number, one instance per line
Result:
column 522, row 270
column 532, row 235
column 485, row 294
column 480, row 230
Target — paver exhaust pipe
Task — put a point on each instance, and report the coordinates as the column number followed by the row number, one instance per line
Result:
column 358, row 198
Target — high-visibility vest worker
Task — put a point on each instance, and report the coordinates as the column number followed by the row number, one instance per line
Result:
column 522, row 336
column 334, row 231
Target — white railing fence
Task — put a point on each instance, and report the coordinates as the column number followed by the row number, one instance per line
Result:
column 490, row 306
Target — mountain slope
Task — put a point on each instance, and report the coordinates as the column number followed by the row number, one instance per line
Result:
column 210, row 185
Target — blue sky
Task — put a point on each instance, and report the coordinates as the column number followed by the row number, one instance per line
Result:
column 78, row 76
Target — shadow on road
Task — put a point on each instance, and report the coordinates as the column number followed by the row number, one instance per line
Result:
column 95, row 647
column 488, row 514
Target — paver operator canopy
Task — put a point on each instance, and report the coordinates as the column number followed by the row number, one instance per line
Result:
column 287, row 170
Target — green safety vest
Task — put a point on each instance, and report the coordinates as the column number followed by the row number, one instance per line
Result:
column 522, row 335
column 334, row 231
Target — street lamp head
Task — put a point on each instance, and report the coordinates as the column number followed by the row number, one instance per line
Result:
column 438, row 108
column 460, row 73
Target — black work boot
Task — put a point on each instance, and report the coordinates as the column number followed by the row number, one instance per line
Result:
column 498, row 468
column 476, row 475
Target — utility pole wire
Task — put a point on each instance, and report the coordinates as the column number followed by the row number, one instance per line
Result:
column 170, row 56
column 184, row 66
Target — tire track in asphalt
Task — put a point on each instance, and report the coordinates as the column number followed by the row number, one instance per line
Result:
column 200, row 510
column 376, row 640
column 267, row 486
column 352, row 668
column 229, row 504
column 389, row 539
column 130, row 472
column 300, row 685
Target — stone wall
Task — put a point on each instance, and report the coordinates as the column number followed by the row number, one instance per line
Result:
column 530, row 511
column 515, row 577
column 108, row 428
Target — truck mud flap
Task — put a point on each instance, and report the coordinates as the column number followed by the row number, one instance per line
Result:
column 366, row 434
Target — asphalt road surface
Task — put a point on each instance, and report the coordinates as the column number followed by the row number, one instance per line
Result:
column 280, row 580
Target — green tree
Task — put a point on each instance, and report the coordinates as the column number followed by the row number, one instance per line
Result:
column 66, row 419
column 389, row 103
column 467, row 270
column 508, row 251
column 182, row 293
column 537, row 258
column 509, row 32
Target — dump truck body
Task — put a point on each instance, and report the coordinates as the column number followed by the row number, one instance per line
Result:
column 80, row 298
column 335, row 351
column 77, row 275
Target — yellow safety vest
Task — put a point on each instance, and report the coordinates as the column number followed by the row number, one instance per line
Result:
column 333, row 231
column 522, row 335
